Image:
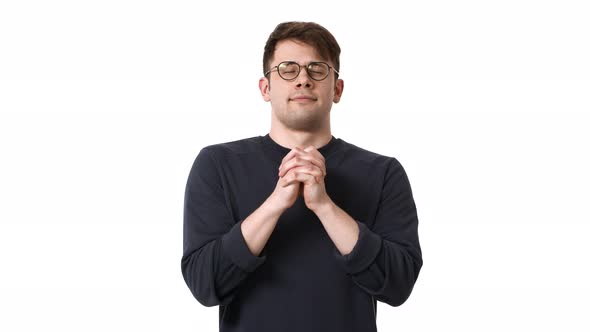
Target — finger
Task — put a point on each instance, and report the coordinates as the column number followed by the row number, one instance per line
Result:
column 294, row 162
column 294, row 152
column 317, row 162
column 313, row 173
column 294, row 178
column 308, row 179
column 302, row 178
column 289, row 182
column 291, row 154
column 315, row 152
column 303, row 174
column 301, row 160
column 289, row 178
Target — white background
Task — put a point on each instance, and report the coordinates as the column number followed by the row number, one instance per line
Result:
column 105, row 104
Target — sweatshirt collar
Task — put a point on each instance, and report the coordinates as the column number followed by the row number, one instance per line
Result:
column 282, row 151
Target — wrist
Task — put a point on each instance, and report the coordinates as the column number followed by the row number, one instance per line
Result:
column 274, row 205
column 324, row 208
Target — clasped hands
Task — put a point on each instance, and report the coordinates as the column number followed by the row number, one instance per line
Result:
column 302, row 172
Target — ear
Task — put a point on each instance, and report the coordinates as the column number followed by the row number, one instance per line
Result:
column 264, row 86
column 338, row 88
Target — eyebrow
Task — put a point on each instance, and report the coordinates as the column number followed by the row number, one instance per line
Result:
column 313, row 61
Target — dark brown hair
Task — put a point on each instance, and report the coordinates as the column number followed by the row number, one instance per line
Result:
column 309, row 33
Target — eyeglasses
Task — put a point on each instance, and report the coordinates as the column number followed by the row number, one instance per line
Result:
column 289, row 70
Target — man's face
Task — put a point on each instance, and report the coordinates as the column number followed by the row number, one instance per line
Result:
column 301, row 104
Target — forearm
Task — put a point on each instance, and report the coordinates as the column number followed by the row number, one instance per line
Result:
column 386, row 270
column 259, row 225
column 385, row 266
column 391, row 276
column 342, row 229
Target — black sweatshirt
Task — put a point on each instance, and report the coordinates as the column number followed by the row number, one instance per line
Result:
column 300, row 282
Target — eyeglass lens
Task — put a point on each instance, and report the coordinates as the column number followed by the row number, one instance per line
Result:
column 315, row 70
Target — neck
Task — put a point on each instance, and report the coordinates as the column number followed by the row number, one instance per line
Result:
column 302, row 139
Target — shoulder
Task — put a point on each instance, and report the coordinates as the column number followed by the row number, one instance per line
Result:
column 213, row 156
column 232, row 148
column 356, row 154
column 385, row 170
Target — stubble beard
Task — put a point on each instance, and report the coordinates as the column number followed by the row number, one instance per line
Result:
column 301, row 120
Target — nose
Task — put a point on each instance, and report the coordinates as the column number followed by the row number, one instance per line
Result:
column 303, row 79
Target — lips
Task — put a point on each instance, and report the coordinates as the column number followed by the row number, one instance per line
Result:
column 303, row 98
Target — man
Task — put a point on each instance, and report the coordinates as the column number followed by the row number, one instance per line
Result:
column 298, row 230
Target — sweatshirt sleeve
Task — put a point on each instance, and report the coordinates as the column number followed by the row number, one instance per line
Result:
column 386, row 260
column 215, row 256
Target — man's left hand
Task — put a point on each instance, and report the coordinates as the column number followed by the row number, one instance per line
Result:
column 307, row 166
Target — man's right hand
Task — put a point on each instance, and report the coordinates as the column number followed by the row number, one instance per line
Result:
column 259, row 225
column 285, row 196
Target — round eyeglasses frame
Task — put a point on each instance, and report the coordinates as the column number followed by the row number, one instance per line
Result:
column 307, row 67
